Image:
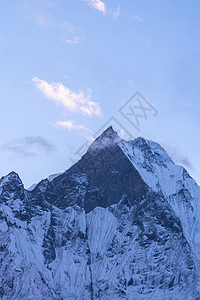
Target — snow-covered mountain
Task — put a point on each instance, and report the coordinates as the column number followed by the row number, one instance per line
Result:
column 122, row 223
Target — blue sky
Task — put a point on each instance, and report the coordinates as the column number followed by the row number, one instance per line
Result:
column 67, row 67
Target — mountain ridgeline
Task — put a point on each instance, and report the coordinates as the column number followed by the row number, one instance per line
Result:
column 122, row 223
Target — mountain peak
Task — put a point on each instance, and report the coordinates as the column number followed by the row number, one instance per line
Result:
column 109, row 132
column 11, row 177
column 11, row 187
column 106, row 139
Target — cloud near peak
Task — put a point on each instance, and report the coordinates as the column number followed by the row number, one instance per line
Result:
column 176, row 155
column 73, row 101
column 71, row 125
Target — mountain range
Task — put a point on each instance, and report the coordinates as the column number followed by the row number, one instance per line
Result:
column 121, row 223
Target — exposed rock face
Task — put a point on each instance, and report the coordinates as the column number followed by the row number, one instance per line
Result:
column 122, row 223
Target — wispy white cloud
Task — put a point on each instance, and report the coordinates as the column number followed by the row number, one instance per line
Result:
column 97, row 4
column 48, row 3
column 100, row 6
column 66, row 26
column 43, row 19
column 137, row 18
column 111, row 81
column 186, row 104
column 131, row 83
column 146, row 42
column 73, row 101
column 176, row 155
column 38, row 12
column 71, row 125
column 78, row 128
column 74, row 40
column 3, row 41
column 116, row 12
column 65, row 76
